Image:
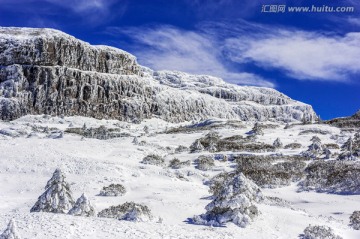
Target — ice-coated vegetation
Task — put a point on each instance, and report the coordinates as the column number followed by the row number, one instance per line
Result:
column 341, row 177
column 355, row 220
column 57, row 197
column 266, row 172
column 205, row 163
column 128, row 211
column 113, row 190
column 82, row 207
column 319, row 232
column 153, row 159
column 235, row 201
column 10, row 232
column 175, row 163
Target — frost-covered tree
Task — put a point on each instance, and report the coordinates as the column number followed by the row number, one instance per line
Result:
column 234, row 201
column 57, row 197
column 327, row 153
column 196, row 147
column 212, row 147
column 277, row 143
column 205, row 163
column 355, row 220
column 256, row 130
column 315, row 149
column 82, row 207
column 10, row 232
column 135, row 141
column 347, row 150
column 319, row 232
column 146, row 129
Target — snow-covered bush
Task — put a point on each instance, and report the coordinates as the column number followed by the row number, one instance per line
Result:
column 319, row 232
column 331, row 146
column 82, row 207
column 113, row 190
column 341, row 177
column 315, row 149
column 277, row 143
column 212, row 147
column 175, row 163
column 153, row 159
column 256, row 130
column 265, row 172
column 196, row 147
column 205, row 162
column 129, row 211
column 293, row 146
column 135, row 141
column 181, row 149
column 10, row 232
column 57, row 197
column 101, row 132
column 355, row 220
column 348, row 150
column 234, row 201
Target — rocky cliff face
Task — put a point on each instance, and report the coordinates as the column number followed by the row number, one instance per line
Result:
column 44, row 71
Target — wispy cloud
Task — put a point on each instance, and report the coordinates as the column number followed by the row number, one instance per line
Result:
column 300, row 54
column 87, row 11
column 170, row 48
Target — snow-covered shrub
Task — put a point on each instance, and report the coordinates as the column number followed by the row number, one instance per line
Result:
column 315, row 149
column 135, row 141
column 314, row 131
column 222, row 157
column 57, row 197
column 101, row 132
column 233, row 202
column 205, row 162
column 348, row 150
column 146, row 129
column 331, row 146
column 129, row 211
column 181, row 149
column 113, row 190
column 153, row 159
column 10, row 232
column 266, row 173
column 341, row 177
column 319, row 232
column 196, row 147
column 293, row 146
column 82, row 207
column 175, row 163
column 256, row 130
column 212, row 147
column 224, row 145
column 355, row 220
column 277, row 143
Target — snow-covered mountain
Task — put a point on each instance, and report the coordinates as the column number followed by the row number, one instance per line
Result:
column 45, row 71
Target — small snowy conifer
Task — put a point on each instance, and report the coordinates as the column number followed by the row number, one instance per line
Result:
column 57, row 197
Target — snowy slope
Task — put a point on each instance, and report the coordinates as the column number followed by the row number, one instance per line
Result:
column 29, row 155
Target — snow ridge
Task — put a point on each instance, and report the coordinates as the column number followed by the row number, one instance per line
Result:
column 45, row 71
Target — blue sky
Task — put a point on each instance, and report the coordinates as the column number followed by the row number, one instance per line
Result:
column 311, row 57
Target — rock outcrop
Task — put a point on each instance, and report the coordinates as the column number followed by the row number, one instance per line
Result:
column 45, row 71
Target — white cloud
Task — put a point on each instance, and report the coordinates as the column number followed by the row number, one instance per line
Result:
column 302, row 55
column 170, row 48
column 84, row 5
column 354, row 21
